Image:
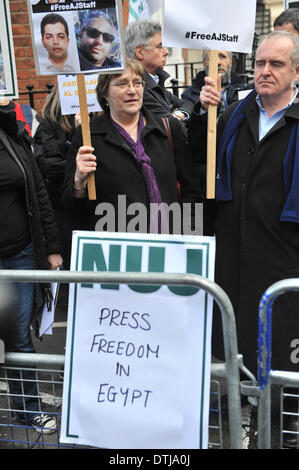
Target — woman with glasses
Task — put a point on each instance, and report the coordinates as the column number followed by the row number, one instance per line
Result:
column 132, row 161
column 96, row 39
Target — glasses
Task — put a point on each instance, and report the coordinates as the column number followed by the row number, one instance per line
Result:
column 137, row 84
column 95, row 33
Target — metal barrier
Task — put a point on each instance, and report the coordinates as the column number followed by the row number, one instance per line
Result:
column 233, row 361
column 267, row 377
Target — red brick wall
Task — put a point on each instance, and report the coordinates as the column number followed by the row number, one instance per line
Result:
column 26, row 72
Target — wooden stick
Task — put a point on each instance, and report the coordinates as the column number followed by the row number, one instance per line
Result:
column 85, row 130
column 211, row 135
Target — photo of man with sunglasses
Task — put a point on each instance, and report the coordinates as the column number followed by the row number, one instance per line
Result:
column 96, row 38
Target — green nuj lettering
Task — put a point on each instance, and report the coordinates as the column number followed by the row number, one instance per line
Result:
column 93, row 260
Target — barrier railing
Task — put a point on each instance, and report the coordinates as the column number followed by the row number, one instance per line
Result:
column 266, row 376
column 233, row 360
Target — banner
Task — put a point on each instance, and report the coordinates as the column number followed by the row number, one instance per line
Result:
column 143, row 9
column 69, row 96
column 70, row 37
column 137, row 369
column 8, row 75
column 215, row 25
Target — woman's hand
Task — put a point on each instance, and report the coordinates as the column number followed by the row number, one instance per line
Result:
column 86, row 164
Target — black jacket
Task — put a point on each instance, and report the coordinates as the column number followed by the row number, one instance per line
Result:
column 44, row 234
column 191, row 94
column 254, row 248
column 119, row 173
column 161, row 101
column 51, row 145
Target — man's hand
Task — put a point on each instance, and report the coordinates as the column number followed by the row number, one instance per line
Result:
column 54, row 261
column 209, row 93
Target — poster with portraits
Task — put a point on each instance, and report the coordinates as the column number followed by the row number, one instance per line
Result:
column 72, row 37
column 8, row 75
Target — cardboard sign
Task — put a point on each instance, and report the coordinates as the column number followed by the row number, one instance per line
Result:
column 74, row 36
column 214, row 25
column 8, row 75
column 69, row 95
column 137, row 370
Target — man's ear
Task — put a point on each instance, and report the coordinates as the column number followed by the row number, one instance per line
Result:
column 297, row 72
column 139, row 52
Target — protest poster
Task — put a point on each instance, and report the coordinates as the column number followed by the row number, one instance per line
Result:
column 215, row 26
column 75, row 36
column 8, row 74
column 137, row 369
column 69, row 95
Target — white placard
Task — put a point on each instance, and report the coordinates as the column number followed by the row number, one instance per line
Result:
column 215, row 24
column 68, row 93
column 8, row 75
column 70, row 37
column 137, row 369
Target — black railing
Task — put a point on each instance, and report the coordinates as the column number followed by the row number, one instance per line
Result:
column 31, row 92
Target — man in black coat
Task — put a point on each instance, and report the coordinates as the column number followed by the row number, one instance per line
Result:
column 143, row 41
column 256, row 219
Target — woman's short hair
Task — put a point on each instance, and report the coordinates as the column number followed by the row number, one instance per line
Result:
column 105, row 79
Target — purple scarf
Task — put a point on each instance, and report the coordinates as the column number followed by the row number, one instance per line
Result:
column 147, row 170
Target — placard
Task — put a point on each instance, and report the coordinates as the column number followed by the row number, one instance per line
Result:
column 8, row 75
column 215, row 24
column 69, row 96
column 71, row 37
column 137, row 369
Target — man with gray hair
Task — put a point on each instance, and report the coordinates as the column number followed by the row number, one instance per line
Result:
column 143, row 41
column 256, row 220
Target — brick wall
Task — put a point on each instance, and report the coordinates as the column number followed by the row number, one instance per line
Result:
column 26, row 72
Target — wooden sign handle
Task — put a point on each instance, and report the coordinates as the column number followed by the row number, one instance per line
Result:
column 85, row 130
column 211, row 134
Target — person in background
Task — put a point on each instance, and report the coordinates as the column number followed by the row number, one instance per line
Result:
column 288, row 20
column 143, row 41
column 52, row 142
column 130, row 157
column 231, row 83
column 28, row 240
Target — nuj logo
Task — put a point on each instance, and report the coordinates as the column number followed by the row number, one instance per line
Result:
column 93, row 259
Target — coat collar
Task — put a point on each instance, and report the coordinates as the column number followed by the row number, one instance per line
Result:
column 251, row 111
column 101, row 125
column 150, row 82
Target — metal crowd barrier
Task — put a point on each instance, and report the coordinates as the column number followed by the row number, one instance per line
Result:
column 229, row 370
column 267, row 377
